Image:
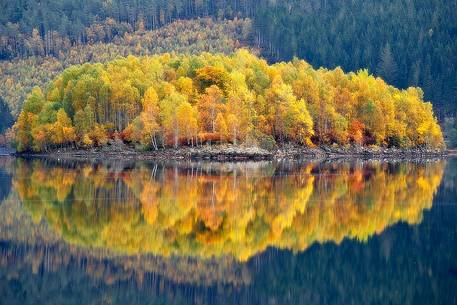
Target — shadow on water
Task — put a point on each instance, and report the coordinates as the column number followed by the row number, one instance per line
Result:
column 5, row 179
column 229, row 233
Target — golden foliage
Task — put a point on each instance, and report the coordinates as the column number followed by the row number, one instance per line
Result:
column 173, row 100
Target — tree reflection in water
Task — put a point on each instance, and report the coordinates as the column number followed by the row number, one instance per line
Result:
column 202, row 233
column 223, row 210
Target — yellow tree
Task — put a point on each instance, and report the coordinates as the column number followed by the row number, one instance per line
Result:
column 235, row 98
column 221, row 127
column 209, row 105
column 147, row 126
column 169, row 117
column 185, row 86
column 187, row 119
column 233, row 127
column 62, row 130
column 241, row 108
column 288, row 116
column 23, row 131
column 41, row 134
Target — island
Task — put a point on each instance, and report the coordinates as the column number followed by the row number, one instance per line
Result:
column 220, row 106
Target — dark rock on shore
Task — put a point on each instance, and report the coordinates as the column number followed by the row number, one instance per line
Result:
column 119, row 151
column 359, row 152
column 223, row 153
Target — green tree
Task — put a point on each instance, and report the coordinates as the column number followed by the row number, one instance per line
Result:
column 6, row 119
column 387, row 66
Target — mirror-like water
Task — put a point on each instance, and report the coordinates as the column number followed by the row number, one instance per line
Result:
column 346, row 232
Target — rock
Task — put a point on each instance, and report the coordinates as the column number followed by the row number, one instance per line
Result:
column 117, row 150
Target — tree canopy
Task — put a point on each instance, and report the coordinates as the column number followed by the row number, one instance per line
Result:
column 173, row 100
column 20, row 75
column 416, row 38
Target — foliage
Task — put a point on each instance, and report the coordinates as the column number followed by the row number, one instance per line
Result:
column 45, row 27
column 408, row 43
column 415, row 46
column 18, row 76
column 172, row 100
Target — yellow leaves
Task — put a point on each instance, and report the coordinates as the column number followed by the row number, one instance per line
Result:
column 238, row 82
column 54, row 94
column 187, row 118
column 87, row 141
column 178, row 118
column 422, row 130
column 40, row 136
column 62, row 130
column 98, row 135
column 429, row 134
column 167, row 89
column 209, row 105
column 233, row 96
column 69, row 134
column 150, row 100
column 144, row 128
column 234, row 131
column 23, row 128
column 211, row 76
column 301, row 124
column 221, row 127
column 288, row 116
column 185, row 86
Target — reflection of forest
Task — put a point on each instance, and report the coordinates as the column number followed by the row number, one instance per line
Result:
column 108, row 269
column 404, row 265
column 26, row 246
column 223, row 210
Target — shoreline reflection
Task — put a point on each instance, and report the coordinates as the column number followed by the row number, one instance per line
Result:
column 219, row 210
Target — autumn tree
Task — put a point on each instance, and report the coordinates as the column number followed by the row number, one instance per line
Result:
column 188, row 120
column 170, row 120
column 288, row 116
column 146, row 126
column 62, row 131
column 209, row 105
column 173, row 100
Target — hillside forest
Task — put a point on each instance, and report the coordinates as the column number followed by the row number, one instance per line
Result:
column 407, row 43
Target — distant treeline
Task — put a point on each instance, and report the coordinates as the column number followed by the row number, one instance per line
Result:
column 408, row 42
column 20, row 75
column 6, row 119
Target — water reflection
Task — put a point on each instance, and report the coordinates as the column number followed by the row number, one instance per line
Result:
column 222, row 210
column 5, row 179
column 217, row 233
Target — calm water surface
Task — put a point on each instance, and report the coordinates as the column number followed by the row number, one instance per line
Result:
column 358, row 232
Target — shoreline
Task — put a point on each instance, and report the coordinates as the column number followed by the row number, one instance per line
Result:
column 229, row 153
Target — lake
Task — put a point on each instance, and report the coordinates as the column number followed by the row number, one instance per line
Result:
column 339, row 232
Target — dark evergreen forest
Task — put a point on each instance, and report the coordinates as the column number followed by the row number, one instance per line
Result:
column 407, row 42
column 6, row 119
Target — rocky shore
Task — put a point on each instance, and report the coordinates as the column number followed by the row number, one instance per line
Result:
column 119, row 151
